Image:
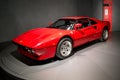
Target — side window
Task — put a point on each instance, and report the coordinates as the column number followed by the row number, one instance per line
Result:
column 84, row 22
column 92, row 22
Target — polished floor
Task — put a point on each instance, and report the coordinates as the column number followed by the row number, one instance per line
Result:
column 92, row 61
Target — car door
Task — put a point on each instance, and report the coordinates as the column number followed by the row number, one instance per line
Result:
column 79, row 34
column 89, row 29
column 87, row 32
column 94, row 29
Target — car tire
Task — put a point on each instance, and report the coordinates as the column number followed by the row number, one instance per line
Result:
column 105, row 35
column 64, row 48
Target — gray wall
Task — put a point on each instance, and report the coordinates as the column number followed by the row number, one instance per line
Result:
column 85, row 7
column 116, row 15
column 18, row 16
column 97, row 9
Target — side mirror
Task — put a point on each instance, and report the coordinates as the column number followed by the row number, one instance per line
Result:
column 50, row 23
column 77, row 26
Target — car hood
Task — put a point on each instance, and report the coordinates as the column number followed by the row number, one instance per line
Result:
column 37, row 36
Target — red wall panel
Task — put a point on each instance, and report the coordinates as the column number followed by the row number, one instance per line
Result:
column 107, row 12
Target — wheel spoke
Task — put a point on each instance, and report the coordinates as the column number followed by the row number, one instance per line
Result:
column 105, row 34
column 65, row 48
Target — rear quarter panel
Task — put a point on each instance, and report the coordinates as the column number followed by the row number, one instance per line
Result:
column 103, row 24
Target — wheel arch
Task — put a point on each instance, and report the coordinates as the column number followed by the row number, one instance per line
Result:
column 66, row 36
column 106, row 27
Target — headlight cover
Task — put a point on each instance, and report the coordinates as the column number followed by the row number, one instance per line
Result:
column 39, row 51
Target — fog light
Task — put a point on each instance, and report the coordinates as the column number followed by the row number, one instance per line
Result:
column 28, row 50
column 33, row 51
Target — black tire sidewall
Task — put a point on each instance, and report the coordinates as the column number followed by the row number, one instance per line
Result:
column 58, row 53
column 102, row 39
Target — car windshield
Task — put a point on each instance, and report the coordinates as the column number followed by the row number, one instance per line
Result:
column 65, row 24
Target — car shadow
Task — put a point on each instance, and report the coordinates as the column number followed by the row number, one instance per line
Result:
column 84, row 46
column 31, row 62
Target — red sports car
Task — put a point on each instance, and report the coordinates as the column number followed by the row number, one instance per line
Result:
column 59, row 38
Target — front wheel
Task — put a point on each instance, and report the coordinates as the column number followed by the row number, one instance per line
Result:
column 64, row 48
column 105, row 35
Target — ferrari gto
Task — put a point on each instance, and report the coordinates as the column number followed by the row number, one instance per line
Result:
column 59, row 38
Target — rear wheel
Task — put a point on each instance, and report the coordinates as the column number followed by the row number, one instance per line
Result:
column 64, row 48
column 105, row 35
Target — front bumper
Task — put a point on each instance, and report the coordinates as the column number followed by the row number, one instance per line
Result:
column 49, row 53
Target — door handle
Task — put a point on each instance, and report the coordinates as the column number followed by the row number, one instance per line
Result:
column 95, row 27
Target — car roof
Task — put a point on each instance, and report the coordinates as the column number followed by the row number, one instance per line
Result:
column 74, row 17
